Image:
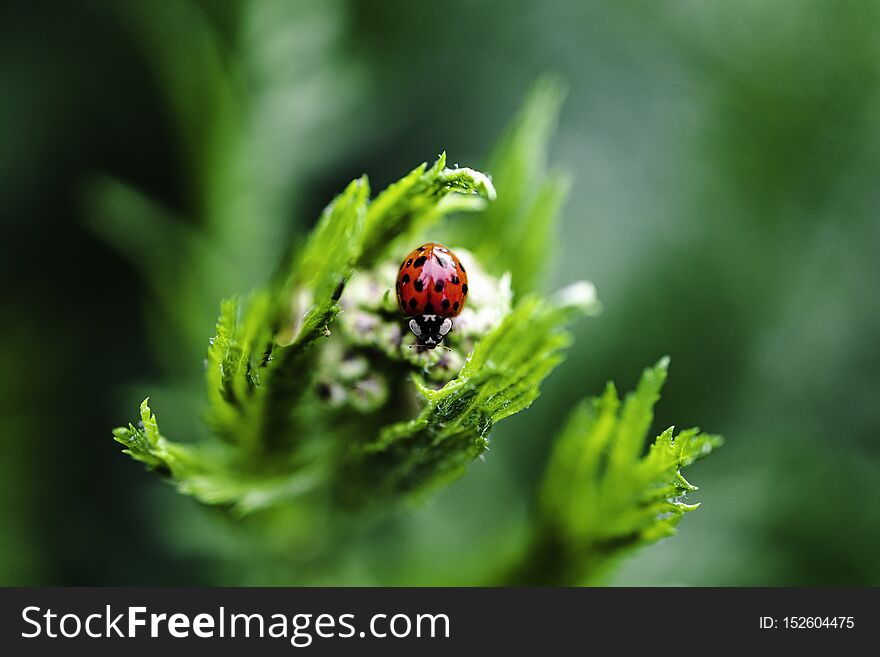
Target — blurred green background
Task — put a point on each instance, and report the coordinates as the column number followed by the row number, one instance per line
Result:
column 726, row 202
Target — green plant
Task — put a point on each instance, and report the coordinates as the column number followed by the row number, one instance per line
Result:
column 603, row 496
column 321, row 411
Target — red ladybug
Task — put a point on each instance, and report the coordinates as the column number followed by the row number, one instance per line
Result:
column 432, row 288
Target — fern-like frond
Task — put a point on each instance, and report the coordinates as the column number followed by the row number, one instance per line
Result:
column 603, row 494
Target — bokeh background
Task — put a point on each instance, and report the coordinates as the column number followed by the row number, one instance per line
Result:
column 726, row 202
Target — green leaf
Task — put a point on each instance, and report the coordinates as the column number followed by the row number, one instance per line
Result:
column 501, row 377
column 603, row 496
column 416, row 201
column 147, row 445
column 257, row 372
column 310, row 297
column 213, row 475
column 235, row 357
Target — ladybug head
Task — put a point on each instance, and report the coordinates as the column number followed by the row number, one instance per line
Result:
column 430, row 329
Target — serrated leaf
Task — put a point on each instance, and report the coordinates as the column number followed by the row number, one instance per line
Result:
column 420, row 198
column 320, row 272
column 501, row 377
column 603, row 495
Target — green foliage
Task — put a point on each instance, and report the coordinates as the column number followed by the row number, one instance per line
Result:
column 501, row 377
column 323, row 267
column 210, row 473
column 263, row 364
column 415, row 202
column 603, row 495
column 319, row 406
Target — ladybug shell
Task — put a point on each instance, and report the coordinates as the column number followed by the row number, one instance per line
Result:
column 432, row 281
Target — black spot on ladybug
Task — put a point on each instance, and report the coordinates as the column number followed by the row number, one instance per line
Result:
column 412, row 303
column 438, row 286
column 461, row 266
column 454, row 280
column 420, row 261
column 445, row 303
column 418, row 285
column 464, row 289
column 429, row 308
column 405, row 279
column 409, row 263
column 455, row 306
column 440, row 261
column 423, row 247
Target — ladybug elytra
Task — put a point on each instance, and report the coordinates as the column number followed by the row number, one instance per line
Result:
column 432, row 288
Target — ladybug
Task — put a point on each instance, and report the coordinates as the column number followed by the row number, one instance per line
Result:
column 432, row 288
